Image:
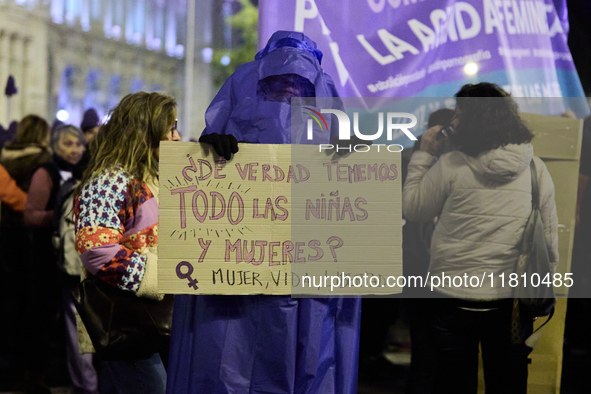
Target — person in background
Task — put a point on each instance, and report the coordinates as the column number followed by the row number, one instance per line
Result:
column 264, row 343
column 10, row 193
column 481, row 194
column 56, row 125
column 67, row 144
column 380, row 313
column 79, row 360
column 21, row 157
column 3, row 136
column 90, row 127
column 8, row 133
column 90, row 124
column 27, row 151
column 116, row 210
column 416, row 239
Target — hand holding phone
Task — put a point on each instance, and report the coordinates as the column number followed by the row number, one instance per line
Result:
column 430, row 142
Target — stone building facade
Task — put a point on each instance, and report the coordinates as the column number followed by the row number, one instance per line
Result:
column 71, row 55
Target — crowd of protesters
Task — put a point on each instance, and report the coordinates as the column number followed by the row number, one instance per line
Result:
column 37, row 165
column 55, row 183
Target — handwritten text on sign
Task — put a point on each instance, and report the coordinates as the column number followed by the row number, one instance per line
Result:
column 257, row 223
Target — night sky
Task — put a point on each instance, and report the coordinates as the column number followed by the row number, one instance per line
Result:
column 579, row 39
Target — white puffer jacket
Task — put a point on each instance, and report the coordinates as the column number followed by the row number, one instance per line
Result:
column 483, row 204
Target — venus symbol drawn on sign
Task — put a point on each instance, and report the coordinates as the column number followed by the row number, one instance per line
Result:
column 179, row 273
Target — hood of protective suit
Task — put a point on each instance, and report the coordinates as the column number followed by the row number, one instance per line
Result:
column 503, row 164
column 241, row 109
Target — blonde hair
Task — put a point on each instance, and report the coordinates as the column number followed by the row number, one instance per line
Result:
column 130, row 137
column 32, row 129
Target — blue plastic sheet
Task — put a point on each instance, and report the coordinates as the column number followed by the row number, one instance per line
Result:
column 265, row 344
column 238, row 110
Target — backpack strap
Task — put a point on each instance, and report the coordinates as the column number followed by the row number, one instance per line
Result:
column 535, row 205
column 546, row 322
column 515, row 320
column 535, row 191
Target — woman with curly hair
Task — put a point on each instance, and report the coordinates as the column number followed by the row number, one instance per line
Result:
column 117, row 219
column 482, row 196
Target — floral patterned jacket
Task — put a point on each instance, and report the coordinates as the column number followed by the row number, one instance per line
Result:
column 117, row 231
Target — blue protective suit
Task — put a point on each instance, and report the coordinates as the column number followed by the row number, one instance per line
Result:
column 259, row 343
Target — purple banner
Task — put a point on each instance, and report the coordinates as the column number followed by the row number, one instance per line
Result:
column 396, row 48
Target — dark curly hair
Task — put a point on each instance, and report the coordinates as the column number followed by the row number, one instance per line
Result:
column 488, row 119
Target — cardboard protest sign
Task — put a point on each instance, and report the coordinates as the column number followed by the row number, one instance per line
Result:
column 558, row 142
column 273, row 214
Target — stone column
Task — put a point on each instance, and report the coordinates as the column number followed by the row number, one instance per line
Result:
column 15, row 69
column 24, row 90
column 56, row 67
column 4, row 66
column 170, row 28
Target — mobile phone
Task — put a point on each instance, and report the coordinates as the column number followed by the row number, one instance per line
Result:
column 445, row 132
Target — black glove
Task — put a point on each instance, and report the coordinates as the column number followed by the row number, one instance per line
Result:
column 224, row 145
column 348, row 143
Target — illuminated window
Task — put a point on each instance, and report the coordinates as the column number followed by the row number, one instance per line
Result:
column 57, row 11
column 129, row 19
column 140, row 15
column 95, row 11
column 114, row 18
column 72, row 11
column 171, row 29
column 85, row 15
column 158, row 25
column 134, row 26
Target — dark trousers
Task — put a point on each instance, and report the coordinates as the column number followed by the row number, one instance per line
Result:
column 422, row 362
column 457, row 332
column 377, row 316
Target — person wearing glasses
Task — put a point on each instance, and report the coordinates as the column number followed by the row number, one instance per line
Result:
column 116, row 210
